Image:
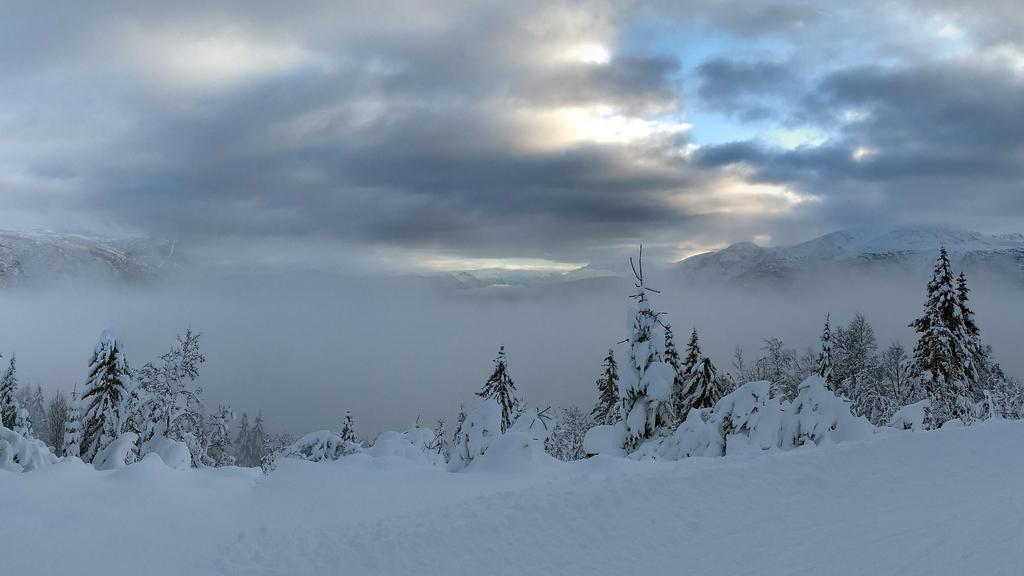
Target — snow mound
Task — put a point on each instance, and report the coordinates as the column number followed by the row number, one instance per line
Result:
column 607, row 439
column 21, row 454
column 117, row 454
column 173, row 453
column 910, row 417
column 818, row 416
column 750, row 420
column 320, row 446
column 397, row 446
column 478, row 431
column 519, row 449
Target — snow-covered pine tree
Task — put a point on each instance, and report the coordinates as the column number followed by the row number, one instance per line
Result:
column 701, row 381
column 220, row 450
column 23, row 423
column 825, row 356
column 500, row 387
column 672, row 359
column 942, row 356
column 348, row 428
column 566, row 439
column 259, row 443
column 36, row 405
column 8, row 395
column 242, row 450
column 990, row 374
column 106, row 388
column 645, row 389
column 606, row 410
column 73, row 426
column 56, row 417
column 684, row 393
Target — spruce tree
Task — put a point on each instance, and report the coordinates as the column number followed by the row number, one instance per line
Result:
column 259, row 443
column 243, row 453
column 673, row 360
column 73, row 427
column 606, row 410
column 701, row 388
column 647, row 385
column 106, row 388
column 684, row 393
column 989, row 372
column 23, row 423
column 825, row 356
column 500, row 387
column 348, row 428
column 942, row 356
column 8, row 396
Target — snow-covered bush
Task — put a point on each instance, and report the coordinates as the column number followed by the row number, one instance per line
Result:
column 320, row 446
column 412, row 445
column 117, row 454
column 817, row 415
column 911, row 417
column 174, row 454
column 518, row 449
column 480, row 428
column 21, row 454
column 750, row 419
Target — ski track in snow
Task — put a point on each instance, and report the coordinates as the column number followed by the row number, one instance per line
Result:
column 945, row 502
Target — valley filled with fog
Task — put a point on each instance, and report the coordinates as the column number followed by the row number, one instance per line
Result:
column 304, row 347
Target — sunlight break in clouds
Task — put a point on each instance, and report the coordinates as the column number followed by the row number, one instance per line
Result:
column 219, row 60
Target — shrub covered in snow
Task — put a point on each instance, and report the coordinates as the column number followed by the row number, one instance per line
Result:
column 320, row 446
column 21, row 454
column 117, row 454
column 817, row 415
column 174, row 454
column 750, row 419
column 481, row 426
column 911, row 417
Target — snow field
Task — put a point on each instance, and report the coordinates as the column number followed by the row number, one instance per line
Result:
column 941, row 502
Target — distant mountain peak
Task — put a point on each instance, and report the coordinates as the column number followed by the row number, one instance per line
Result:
column 907, row 248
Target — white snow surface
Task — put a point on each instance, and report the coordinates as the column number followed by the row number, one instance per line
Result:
column 943, row 502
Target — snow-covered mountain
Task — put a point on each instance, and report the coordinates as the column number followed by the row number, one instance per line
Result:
column 908, row 249
column 45, row 258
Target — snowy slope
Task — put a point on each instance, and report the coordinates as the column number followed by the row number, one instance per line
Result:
column 908, row 249
column 934, row 503
column 39, row 258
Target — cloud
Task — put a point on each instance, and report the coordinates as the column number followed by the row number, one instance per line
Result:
column 453, row 131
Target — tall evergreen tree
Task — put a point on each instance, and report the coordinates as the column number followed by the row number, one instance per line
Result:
column 243, row 451
column 106, row 389
column 701, row 389
column 684, row 394
column 990, row 374
column 942, row 356
column 73, row 426
column 672, row 359
column 646, row 391
column 825, row 356
column 56, row 420
column 8, row 395
column 348, row 428
column 606, row 410
column 23, row 423
column 260, row 443
column 500, row 387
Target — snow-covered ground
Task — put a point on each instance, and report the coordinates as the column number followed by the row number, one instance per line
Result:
column 942, row 502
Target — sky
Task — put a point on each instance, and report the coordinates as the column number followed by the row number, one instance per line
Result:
column 436, row 134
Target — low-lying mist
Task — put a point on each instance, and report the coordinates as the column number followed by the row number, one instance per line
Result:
column 303, row 348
